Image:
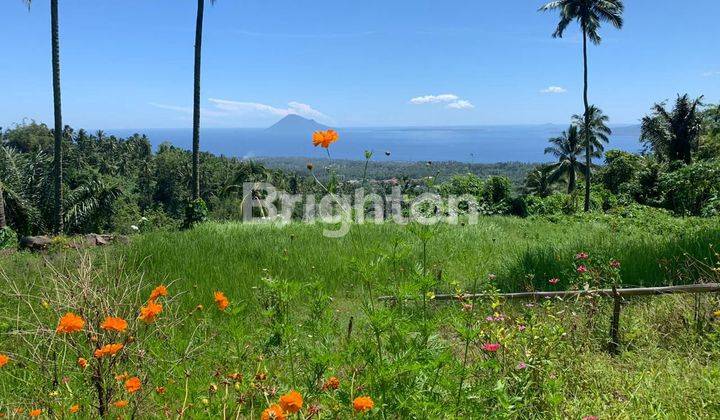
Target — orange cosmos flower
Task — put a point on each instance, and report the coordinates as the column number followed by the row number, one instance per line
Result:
column 331, row 383
column 70, row 323
column 82, row 362
column 108, row 350
column 74, row 409
column 114, row 324
column 291, row 402
column 133, row 385
column 149, row 312
column 274, row 412
column 221, row 300
column 362, row 404
column 4, row 359
column 120, row 403
column 158, row 291
column 35, row 413
column 324, row 138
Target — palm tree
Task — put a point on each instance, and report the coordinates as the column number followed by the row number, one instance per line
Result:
column 675, row 134
column 539, row 181
column 196, row 100
column 589, row 14
column 568, row 149
column 57, row 105
column 594, row 133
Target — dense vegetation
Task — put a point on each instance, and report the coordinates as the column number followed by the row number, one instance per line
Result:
column 113, row 185
column 303, row 310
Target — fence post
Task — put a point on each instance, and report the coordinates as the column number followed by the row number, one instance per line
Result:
column 614, row 343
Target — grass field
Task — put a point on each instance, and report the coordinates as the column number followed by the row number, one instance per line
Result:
column 302, row 309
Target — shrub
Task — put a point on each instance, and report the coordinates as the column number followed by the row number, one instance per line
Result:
column 195, row 212
column 8, row 238
column 691, row 188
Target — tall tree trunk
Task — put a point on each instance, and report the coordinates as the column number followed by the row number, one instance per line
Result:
column 587, row 123
column 3, row 223
column 58, row 213
column 571, row 181
column 196, row 102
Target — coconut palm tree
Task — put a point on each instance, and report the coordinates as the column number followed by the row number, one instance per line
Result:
column 568, row 149
column 674, row 135
column 594, row 134
column 539, row 181
column 589, row 14
column 57, row 107
column 196, row 100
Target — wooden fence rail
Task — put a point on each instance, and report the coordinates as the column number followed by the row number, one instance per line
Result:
column 614, row 293
column 637, row 291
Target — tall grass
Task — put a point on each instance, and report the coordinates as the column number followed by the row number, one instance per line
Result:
column 523, row 253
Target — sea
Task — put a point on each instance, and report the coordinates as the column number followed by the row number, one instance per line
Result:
column 476, row 144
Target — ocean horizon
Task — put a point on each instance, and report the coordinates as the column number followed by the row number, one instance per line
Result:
column 470, row 144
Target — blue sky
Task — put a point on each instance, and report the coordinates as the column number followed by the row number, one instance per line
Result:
column 128, row 64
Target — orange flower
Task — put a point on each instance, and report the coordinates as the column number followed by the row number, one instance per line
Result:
column 149, row 312
column 157, row 292
column 331, row 383
column 291, row 402
column 160, row 390
column 221, row 300
column 324, row 138
column 4, row 359
column 114, row 324
column 362, row 404
column 70, row 323
column 35, row 413
column 133, row 385
column 74, row 409
column 82, row 362
column 120, row 403
column 108, row 350
column 274, row 412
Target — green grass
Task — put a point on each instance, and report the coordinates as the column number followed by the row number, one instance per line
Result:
column 293, row 293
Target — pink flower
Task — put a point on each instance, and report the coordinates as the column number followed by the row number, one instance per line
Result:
column 529, row 305
column 581, row 256
column 582, row 269
column 554, row 280
column 491, row 347
column 521, row 366
column 521, row 327
column 615, row 264
column 590, row 418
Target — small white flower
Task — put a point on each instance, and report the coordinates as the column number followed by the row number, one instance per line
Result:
column 143, row 219
column 135, row 228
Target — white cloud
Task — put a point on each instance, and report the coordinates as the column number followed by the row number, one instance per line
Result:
column 434, row 99
column 452, row 101
column 223, row 108
column 711, row 73
column 461, row 104
column 554, row 89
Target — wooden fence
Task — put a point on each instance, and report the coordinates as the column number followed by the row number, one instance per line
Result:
column 616, row 294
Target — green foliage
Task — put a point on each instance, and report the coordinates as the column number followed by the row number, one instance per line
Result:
column 8, row 238
column 620, row 168
column 692, row 188
column 294, row 292
column 195, row 212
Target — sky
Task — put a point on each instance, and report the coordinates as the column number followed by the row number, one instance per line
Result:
column 347, row 63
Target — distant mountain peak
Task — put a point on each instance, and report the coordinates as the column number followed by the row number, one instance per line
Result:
column 296, row 124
